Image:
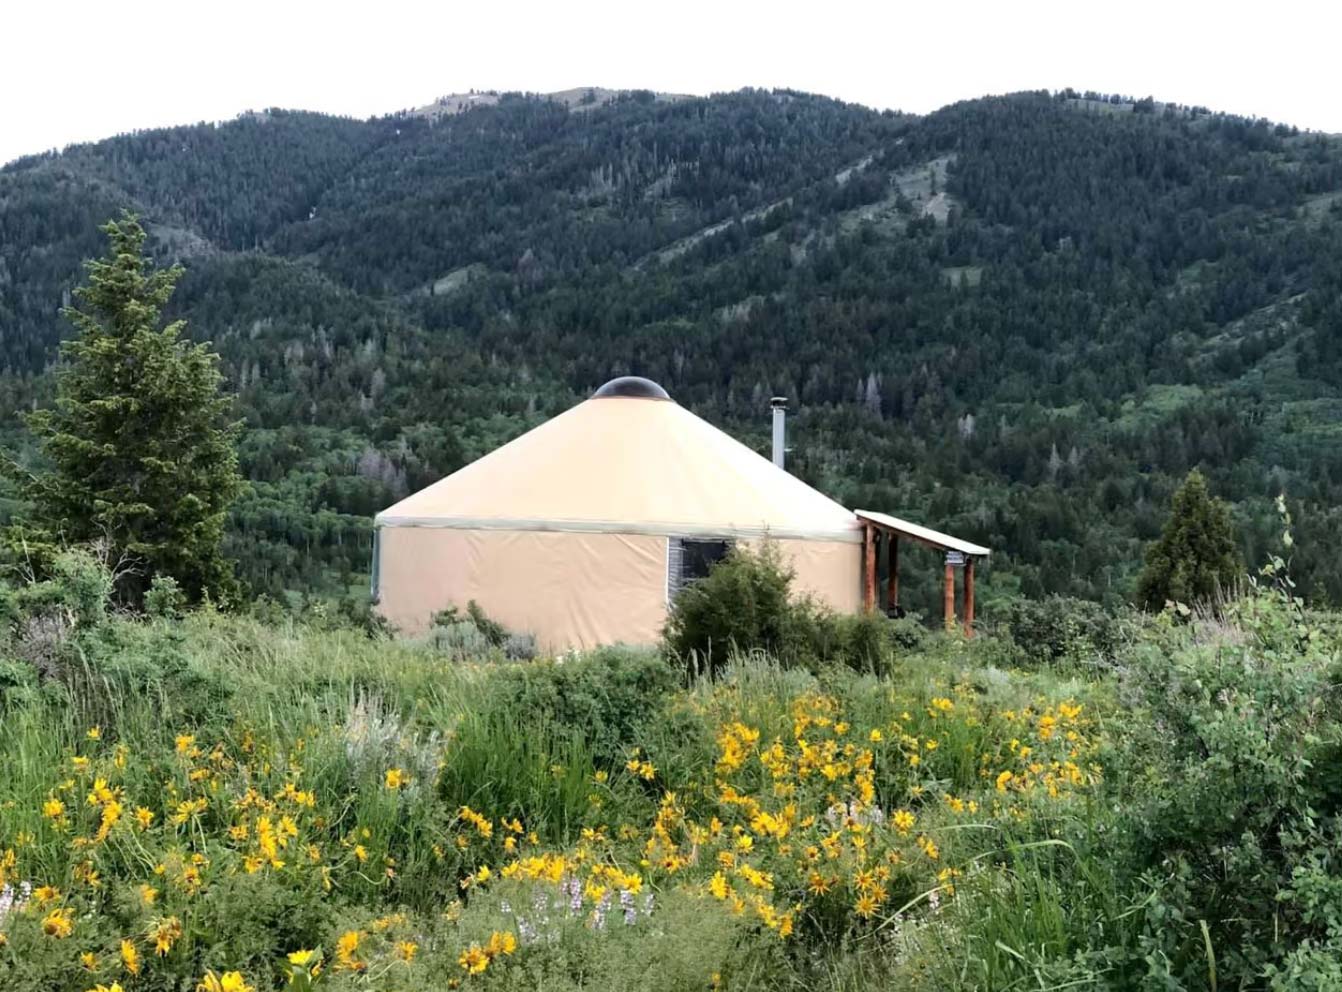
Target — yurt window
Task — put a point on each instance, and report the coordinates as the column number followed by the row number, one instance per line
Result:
column 688, row 560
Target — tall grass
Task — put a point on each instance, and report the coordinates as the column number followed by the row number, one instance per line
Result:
column 1043, row 877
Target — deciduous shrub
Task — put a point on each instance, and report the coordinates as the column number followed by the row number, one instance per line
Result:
column 606, row 695
column 1234, row 811
column 62, row 630
column 743, row 604
column 746, row 604
column 1060, row 630
column 472, row 635
column 460, row 641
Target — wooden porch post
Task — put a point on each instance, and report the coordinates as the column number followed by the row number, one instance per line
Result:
column 969, row 597
column 868, row 568
column 892, row 580
column 950, row 595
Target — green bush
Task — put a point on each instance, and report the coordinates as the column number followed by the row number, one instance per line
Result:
column 1233, row 812
column 606, row 695
column 1061, row 630
column 62, row 632
column 165, row 599
column 460, row 640
column 472, row 635
column 745, row 605
column 493, row 632
column 42, row 620
column 864, row 642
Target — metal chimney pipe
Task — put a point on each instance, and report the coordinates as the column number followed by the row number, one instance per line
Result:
column 779, row 406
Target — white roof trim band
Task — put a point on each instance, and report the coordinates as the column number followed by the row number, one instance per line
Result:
column 850, row 536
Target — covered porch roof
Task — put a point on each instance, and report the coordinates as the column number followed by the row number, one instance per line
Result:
column 924, row 535
column 959, row 554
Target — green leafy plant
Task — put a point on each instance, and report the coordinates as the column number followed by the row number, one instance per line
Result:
column 1061, row 630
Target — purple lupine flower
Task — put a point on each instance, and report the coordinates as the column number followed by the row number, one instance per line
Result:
column 12, row 900
column 526, row 931
column 647, row 903
column 574, row 894
column 627, row 902
column 506, row 907
column 599, row 916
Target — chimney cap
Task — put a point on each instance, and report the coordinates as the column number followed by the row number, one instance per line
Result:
column 778, row 403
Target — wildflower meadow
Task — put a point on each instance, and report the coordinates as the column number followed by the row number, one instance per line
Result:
column 237, row 804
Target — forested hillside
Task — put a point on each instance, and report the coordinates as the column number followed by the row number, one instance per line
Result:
column 1021, row 319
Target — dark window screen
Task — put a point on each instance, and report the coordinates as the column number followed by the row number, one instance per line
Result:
column 688, row 560
column 697, row 557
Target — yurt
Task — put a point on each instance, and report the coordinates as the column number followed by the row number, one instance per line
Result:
column 581, row 531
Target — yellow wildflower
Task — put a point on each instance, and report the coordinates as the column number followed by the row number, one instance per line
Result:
column 59, row 923
column 165, row 933
column 308, row 961
column 501, row 943
column 474, row 960
column 346, row 948
column 229, row 981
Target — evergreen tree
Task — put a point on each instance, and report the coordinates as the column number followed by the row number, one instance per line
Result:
column 140, row 449
column 1196, row 555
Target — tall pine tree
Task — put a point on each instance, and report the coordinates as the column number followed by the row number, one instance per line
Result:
column 1196, row 556
column 140, row 447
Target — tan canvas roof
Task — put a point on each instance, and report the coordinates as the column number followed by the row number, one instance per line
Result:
column 630, row 465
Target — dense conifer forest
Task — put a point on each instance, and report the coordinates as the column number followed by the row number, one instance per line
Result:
column 1021, row 319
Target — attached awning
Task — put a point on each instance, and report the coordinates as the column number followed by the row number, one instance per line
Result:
column 925, row 535
column 882, row 529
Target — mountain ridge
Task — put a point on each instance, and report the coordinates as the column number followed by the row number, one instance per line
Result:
column 1021, row 317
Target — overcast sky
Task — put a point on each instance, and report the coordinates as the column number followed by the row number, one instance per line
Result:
column 76, row 71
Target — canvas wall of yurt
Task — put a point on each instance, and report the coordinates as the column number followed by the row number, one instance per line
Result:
column 581, row 531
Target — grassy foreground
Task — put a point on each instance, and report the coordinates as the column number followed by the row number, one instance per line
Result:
column 215, row 802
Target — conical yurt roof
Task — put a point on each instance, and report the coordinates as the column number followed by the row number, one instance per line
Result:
column 629, row 460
